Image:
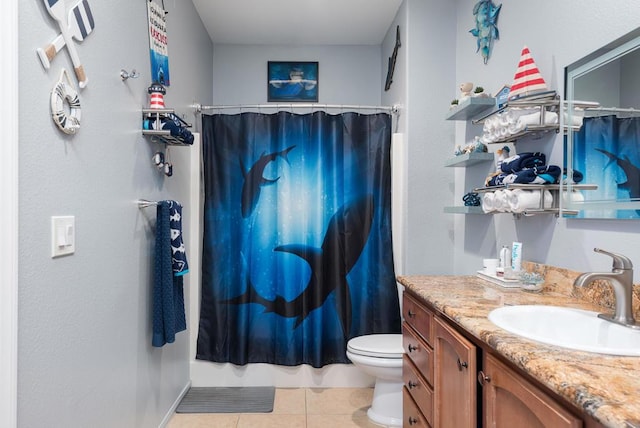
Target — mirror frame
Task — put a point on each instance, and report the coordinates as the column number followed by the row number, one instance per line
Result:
column 600, row 57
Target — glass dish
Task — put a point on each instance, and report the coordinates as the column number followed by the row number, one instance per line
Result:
column 531, row 281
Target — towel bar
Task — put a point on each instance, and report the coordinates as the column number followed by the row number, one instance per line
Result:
column 143, row 203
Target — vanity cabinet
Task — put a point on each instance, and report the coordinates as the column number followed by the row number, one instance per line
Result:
column 509, row 400
column 452, row 380
column 455, row 378
column 417, row 367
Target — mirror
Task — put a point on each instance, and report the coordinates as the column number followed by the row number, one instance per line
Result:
column 603, row 139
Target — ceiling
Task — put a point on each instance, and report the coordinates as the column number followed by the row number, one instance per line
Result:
column 301, row 22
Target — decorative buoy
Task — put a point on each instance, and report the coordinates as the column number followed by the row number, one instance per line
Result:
column 156, row 92
column 64, row 92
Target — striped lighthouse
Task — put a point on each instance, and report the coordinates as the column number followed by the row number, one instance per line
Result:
column 156, row 95
column 527, row 79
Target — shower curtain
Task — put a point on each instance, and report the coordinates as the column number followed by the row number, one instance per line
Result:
column 607, row 152
column 297, row 250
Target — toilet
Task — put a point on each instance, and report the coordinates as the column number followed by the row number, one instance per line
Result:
column 380, row 355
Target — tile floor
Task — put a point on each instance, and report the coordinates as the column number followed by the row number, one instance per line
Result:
column 293, row 408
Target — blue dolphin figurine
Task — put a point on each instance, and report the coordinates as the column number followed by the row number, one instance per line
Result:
column 486, row 29
column 343, row 243
column 253, row 180
column 631, row 171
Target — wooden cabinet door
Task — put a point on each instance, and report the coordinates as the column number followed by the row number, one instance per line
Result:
column 455, row 378
column 511, row 401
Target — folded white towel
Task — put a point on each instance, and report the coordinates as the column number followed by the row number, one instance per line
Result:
column 514, row 113
column 521, row 200
column 576, row 119
column 501, row 200
column 488, row 202
column 573, row 196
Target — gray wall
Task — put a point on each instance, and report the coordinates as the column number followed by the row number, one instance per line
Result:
column 430, row 48
column 558, row 34
column 85, row 356
column 348, row 74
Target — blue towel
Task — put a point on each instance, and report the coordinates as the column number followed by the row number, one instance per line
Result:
column 548, row 174
column 168, row 294
column 522, row 161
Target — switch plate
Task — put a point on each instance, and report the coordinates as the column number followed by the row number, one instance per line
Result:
column 63, row 235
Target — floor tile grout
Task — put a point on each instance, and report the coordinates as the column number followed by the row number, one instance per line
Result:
column 341, row 407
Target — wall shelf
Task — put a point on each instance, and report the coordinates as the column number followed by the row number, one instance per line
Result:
column 470, row 107
column 464, row 210
column 469, row 159
column 163, row 135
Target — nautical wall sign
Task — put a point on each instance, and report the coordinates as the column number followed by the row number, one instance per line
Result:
column 158, row 46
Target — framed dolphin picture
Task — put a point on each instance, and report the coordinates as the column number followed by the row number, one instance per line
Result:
column 290, row 81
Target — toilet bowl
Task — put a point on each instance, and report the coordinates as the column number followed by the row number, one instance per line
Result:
column 380, row 355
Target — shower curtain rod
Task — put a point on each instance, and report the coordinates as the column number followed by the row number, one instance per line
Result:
column 613, row 110
column 395, row 109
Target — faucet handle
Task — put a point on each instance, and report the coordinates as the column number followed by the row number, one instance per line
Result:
column 619, row 261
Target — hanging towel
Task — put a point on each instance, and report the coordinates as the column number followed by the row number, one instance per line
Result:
column 168, row 294
column 178, row 253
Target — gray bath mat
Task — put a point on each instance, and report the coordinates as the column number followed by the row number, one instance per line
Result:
column 258, row 399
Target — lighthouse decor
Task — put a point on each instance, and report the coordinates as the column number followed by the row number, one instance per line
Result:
column 156, row 95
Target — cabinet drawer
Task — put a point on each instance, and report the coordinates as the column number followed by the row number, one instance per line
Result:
column 419, row 390
column 411, row 415
column 418, row 352
column 418, row 317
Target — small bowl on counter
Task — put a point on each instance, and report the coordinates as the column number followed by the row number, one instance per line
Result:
column 531, row 281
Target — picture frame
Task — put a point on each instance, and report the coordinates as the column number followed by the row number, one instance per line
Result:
column 292, row 81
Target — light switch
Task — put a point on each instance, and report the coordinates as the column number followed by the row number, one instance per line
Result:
column 63, row 235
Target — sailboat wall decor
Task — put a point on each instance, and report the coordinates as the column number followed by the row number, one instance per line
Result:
column 527, row 80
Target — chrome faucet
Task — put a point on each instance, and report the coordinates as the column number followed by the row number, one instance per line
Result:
column 621, row 279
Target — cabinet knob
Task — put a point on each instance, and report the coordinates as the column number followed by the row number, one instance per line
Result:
column 411, row 384
column 483, row 378
column 462, row 364
column 412, row 420
column 412, row 348
column 411, row 314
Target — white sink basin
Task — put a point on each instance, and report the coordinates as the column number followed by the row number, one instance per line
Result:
column 569, row 328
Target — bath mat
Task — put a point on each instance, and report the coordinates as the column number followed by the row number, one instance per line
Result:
column 258, row 399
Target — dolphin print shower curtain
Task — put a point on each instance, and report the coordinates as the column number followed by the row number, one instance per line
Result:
column 297, row 254
column 607, row 152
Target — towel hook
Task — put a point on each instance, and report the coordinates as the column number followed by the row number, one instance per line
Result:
column 124, row 74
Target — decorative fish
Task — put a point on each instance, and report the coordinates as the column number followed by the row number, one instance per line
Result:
column 486, row 29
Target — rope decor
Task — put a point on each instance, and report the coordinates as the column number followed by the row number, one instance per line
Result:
column 471, row 199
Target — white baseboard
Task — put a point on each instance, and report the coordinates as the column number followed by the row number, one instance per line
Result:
column 174, row 406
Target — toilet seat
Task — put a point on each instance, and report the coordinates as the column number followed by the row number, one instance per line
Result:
column 377, row 345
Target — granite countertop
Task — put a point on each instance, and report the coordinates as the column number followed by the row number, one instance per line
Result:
column 605, row 387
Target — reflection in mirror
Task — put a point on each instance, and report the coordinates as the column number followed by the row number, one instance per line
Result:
column 603, row 147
